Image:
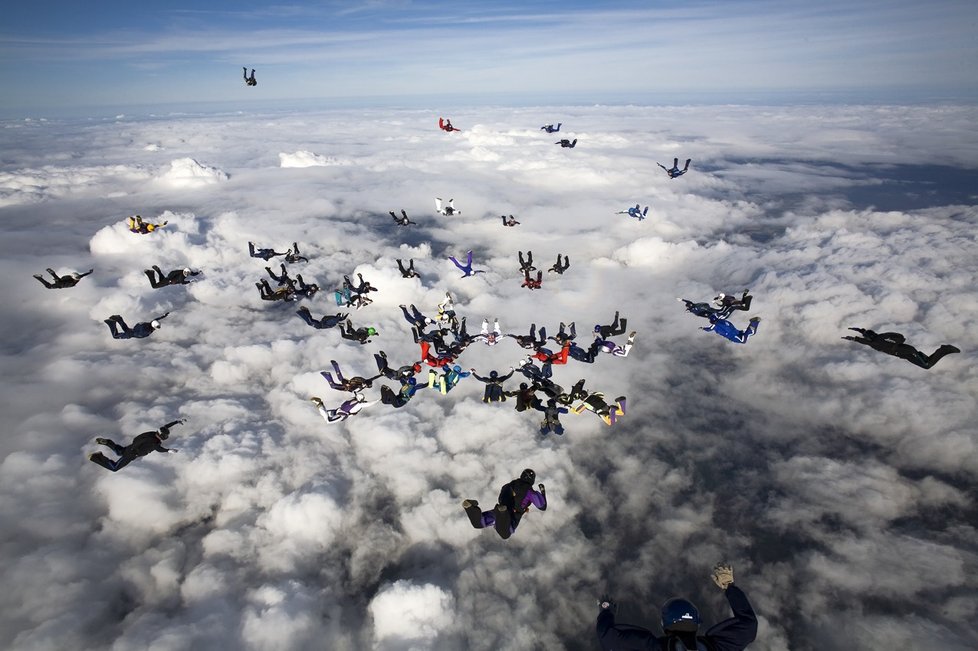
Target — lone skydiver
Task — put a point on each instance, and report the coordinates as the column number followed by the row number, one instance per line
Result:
column 675, row 172
column 526, row 264
column 617, row 327
column 141, row 445
column 264, row 254
column 119, row 329
column 448, row 379
column 509, row 222
column 328, row 320
column 532, row 283
column 350, row 407
column 360, row 335
column 137, row 225
column 250, row 81
column 549, row 128
column 515, row 499
column 401, row 373
column 635, row 211
column 494, row 385
column 352, row 384
column 729, row 331
column 403, row 219
column 446, row 125
column 681, row 621
column 567, row 143
column 409, row 272
column 176, row 277
column 560, row 267
column 62, row 282
column 293, row 255
column 594, row 401
column 283, row 293
column 446, row 210
column 466, row 269
column 892, row 343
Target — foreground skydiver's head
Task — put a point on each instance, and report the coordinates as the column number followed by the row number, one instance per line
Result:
column 528, row 476
column 680, row 615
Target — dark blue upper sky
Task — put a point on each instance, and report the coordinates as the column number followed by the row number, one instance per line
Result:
column 57, row 54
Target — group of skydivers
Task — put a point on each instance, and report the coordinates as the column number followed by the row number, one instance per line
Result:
column 443, row 343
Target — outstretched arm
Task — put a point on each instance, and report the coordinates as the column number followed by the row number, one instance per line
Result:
column 741, row 629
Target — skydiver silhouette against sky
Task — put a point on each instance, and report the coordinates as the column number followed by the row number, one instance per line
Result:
column 549, row 128
column 62, row 282
column 560, row 267
column 511, row 221
column 675, row 172
column 403, row 219
column 176, row 277
column 142, row 445
column 119, row 329
column 562, row 336
column 681, row 621
column 448, row 209
column 567, row 143
column 892, row 343
column 466, row 269
column 409, row 271
column 328, row 321
column 250, row 81
column 728, row 330
column 350, row 407
column 264, row 254
column 515, row 499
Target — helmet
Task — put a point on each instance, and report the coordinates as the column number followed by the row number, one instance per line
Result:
column 720, row 296
column 528, row 476
column 164, row 434
column 155, row 324
column 371, row 331
column 412, row 381
column 186, row 272
column 680, row 615
column 457, row 368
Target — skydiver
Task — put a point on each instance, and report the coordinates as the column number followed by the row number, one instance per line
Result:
column 308, row 290
column 681, row 621
column 562, row 337
column 532, row 283
column 403, row 219
column 594, row 401
column 409, row 387
column 547, row 356
column 62, row 282
column 567, row 143
column 526, row 264
column 704, row 310
column 446, row 125
column 489, row 337
column 616, row 328
column 141, row 445
column 328, row 321
column 250, row 81
column 438, row 359
column 729, row 331
column 526, row 396
column 175, row 277
column 119, row 329
column 448, row 379
column 293, row 255
column 531, row 342
column 283, row 293
column 892, row 343
column 549, row 128
column 675, row 172
column 466, row 269
column 446, row 310
column 551, row 417
column 350, row 407
column 635, row 211
column 283, row 278
column 509, row 222
column 494, row 385
column 446, row 210
column 729, row 303
column 137, row 225
column 409, row 272
column 560, row 268
column 515, row 499
column 586, row 355
column 352, row 384
column 264, row 254
column 360, row 335
column 534, row 372
column 610, row 347
column 416, row 318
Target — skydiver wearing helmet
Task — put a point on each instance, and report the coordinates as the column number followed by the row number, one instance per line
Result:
column 892, row 343
column 141, row 446
column 119, row 329
column 681, row 621
column 158, row 279
column 62, row 282
column 515, row 499
column 729, row 302
column 360, row 335
column 675, row 172
column 350, row 407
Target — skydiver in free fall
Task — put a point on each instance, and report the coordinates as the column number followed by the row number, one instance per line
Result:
column 403, row 219
column 635, row 211
column 158, row 279
column 526, row 264
column 350, row 407
column 560, row 266
column 351, row 384
column 728, row 330
column 447, row 210
column 549, row 128
column 515, row 499
column 141, row 445
column 328, row 321
column 293, row 255
column 532, row 283
column 407, row 272
column 62, row 282
column 532, row 341
column 143, row 329
column 675, row 172
column 264, row 254
column 893, row 343
column 360, row 335
column 446, row 125
column 494, row 385
column 416, row 318
column 617, row 327
column 400, row 374
column 723, row 305
column 466, row 269
column 567, row 143
column 249, row 81
column 511, row 221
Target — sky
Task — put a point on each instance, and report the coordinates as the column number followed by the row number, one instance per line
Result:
column 838, row 481
column 61, row 56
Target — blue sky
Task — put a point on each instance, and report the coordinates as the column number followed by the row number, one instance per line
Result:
column 56, row 54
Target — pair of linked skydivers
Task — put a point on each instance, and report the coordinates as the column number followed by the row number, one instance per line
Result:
column 681, row 623
column 352, row 295
column 722, row 307
column 291, row 255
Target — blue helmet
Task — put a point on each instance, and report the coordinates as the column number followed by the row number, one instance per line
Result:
column 680, row 615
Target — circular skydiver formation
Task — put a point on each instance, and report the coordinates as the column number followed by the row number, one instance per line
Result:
column 442, row 340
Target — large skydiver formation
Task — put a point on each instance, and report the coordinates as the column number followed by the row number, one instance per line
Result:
column 442, row 340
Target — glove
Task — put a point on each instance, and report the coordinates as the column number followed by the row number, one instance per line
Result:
column 605, row 602
column 542, row 488
column 722, row 575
